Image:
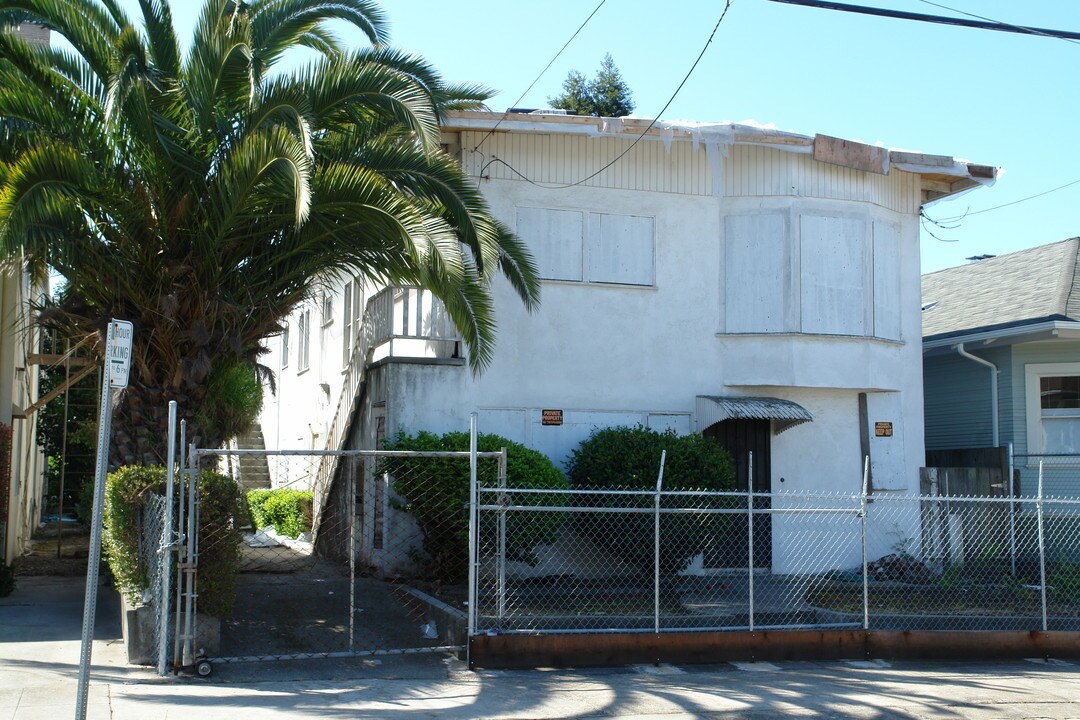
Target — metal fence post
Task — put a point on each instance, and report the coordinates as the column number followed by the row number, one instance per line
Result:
column 750, row 536
column 180, row 549
column 501, row 552
column 1012, row 513
column 350, row 463
column 656, row 542
column 470, row 624
column 1042, row 547
column 165, row 551
column 865, row 568
column 187, row 655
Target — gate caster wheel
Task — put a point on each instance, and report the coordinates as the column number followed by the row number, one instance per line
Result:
column 203, row 668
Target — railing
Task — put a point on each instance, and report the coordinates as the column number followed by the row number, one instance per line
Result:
column 419, row 324
column 410, row 322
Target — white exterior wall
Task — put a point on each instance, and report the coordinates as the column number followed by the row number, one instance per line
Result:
column 297, row 416
column 18, row 390
column 610, row 354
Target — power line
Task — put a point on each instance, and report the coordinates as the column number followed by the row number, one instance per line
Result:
column 997, row 22
column 537, row 78
column 957, row 218
column 617, row 158
column 941, row 19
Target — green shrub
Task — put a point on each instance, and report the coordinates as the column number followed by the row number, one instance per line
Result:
column 219, row 534
column 436, row 492
column 629, row 458
column 287, row 510
column 1064, row 579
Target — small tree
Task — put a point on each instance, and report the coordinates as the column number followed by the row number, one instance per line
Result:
column 606, row 95
column 628, row 458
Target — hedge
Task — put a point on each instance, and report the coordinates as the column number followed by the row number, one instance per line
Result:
column 219, row 534
column 628, row 458
column 287, row 510
column 436, row 492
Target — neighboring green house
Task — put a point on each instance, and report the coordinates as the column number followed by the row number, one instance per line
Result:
column 1001, row 359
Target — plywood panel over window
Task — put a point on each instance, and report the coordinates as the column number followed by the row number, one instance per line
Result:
column 591, row 247
column 621, row 250
column 886, row 281
column 834, row 277
column 757, row 274
column 555, row 238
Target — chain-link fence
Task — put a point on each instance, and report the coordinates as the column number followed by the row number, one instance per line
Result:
column 653, row 560
column 338, row 554
column 155, row 557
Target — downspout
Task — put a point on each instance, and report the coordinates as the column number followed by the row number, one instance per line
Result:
column 993, row 387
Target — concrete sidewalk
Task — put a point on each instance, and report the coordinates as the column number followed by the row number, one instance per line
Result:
column 39, row 650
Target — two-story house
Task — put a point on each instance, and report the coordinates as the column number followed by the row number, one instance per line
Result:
column 756, row 286
column 1001, row 342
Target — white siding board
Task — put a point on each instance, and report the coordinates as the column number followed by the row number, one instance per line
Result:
column 683, row 168
column 563, row 159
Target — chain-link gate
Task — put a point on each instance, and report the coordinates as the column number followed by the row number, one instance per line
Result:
column 327, row 554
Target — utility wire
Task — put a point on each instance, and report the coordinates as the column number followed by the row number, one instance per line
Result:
column 957, row 218
column 617, row 158
column 537, row 79
column 1035, row 31
column 941, row 19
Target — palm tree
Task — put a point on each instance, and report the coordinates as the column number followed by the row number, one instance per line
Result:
column 203, row 195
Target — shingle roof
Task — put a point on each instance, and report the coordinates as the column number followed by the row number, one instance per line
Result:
column 1019, row 288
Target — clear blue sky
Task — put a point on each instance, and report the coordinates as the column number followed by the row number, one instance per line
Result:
column 989, row 97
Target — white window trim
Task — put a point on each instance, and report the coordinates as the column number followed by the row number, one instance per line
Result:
column 1033, row 373
column 326, row 307
column 285, row 346
column 303, row 344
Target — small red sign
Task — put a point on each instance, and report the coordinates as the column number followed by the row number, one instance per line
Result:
column 551, row 417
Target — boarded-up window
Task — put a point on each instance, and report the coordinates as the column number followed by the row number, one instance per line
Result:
column 591, row 247
column 757, row 276
column 555, row 238
column 834, row 277
column 620, row 249
column 886, row 281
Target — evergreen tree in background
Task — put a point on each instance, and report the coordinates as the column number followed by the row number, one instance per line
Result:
column 606, row 95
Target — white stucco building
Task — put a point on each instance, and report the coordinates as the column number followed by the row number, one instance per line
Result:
column 708, row 266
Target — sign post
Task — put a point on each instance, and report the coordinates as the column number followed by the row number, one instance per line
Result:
column 115, row 375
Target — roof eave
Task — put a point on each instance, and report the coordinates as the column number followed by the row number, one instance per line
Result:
column 1035, row 332
column 942, row 176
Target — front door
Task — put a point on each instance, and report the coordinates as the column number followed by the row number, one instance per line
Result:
column 740, row 438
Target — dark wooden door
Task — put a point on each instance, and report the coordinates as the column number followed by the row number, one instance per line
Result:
column 740, row 438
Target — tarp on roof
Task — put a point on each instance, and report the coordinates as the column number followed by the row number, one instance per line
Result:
column 784, row 413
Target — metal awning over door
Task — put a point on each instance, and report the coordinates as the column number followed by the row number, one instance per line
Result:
column 785, row 414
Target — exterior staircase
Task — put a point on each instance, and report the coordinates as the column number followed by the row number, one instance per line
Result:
column 252, row 471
